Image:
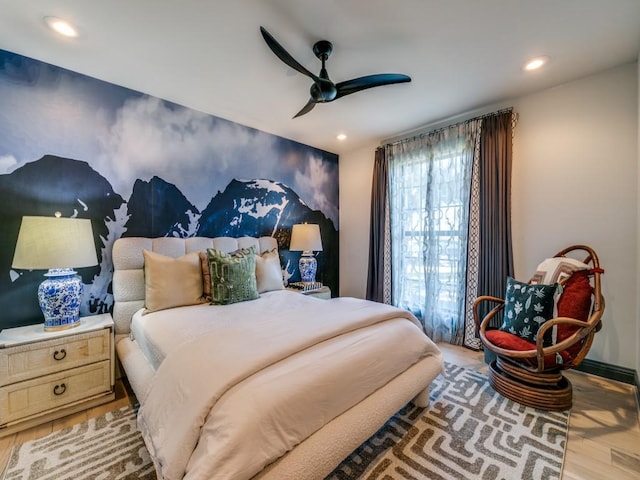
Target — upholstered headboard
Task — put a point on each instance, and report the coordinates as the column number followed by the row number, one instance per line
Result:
column 128, row 265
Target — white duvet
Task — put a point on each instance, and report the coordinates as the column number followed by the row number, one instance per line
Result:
column 250, row 381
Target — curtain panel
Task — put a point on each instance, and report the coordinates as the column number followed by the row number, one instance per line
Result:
column 490, row 254
column 379, row 276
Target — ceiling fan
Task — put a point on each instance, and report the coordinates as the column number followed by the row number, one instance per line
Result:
column 323, row 89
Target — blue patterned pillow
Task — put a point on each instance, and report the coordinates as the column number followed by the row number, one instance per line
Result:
column 527, row 307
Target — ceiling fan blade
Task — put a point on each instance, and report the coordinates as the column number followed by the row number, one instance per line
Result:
column 370, row 81
column 283, row 55
column 307, row 108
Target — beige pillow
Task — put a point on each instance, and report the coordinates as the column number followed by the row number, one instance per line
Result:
column 269, row 272
column 171, row 282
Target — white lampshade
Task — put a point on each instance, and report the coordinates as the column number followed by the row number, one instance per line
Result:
column 305, row 237
column 50, row 242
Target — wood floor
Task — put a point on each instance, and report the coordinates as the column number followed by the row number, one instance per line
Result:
column 604, row 427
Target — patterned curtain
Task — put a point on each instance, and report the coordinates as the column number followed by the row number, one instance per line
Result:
column 490, row 258
column 429, row 191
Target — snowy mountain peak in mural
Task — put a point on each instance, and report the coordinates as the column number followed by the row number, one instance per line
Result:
column 264, row 207
column 256, row 207
column 159, row 209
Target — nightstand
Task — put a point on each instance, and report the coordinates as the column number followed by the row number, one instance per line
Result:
column 324, row 292
column 48, row 375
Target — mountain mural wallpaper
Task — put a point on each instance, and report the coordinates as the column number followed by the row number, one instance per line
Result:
column 136, row 165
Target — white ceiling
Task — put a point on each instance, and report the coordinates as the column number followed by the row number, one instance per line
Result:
column 209, row 54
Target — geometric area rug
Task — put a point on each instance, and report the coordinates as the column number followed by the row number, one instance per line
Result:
column 108, row 447
column 467, row 432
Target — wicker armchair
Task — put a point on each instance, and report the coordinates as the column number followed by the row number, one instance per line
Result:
column 530, row 373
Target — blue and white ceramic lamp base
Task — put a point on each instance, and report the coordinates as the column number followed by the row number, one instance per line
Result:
column 308, row 266
column 60, row 296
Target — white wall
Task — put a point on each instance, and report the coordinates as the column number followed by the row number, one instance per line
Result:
column 356, row 175
column 575, row 180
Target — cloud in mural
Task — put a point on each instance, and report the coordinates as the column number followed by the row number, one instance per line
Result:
column 8, row 163
column 197, row 152
column 63, row 115
column 315, row 182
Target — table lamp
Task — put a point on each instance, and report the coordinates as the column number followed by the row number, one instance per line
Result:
column 305, row 238
column 58, row 245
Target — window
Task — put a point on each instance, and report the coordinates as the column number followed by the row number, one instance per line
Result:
column 429, row 204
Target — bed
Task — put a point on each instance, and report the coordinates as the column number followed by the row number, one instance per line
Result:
column 282, row 387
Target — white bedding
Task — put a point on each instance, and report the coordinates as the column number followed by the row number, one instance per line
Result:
column 158, row 333
column 228, row 370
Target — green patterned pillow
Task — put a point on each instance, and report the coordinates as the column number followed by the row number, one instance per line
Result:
column 233, row 275
column 527, row 307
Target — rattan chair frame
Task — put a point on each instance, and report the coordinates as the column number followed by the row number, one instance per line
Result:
column 537, row 385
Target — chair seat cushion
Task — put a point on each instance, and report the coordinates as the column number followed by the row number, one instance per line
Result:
column 509, row 341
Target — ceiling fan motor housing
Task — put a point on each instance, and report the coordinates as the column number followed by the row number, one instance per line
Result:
column 323, row 91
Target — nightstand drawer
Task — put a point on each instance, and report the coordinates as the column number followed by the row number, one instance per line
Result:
column 23, row 362
column 31, row 397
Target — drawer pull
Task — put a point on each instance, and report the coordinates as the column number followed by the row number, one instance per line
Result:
column 59, row 355
column 59, row 389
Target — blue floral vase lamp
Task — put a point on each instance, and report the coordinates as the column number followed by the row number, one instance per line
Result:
column 58, row 245
column 305, row 238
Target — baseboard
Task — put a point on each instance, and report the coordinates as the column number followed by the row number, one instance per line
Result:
column 612, row 372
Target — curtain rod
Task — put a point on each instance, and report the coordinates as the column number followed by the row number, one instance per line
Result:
column 437, row 130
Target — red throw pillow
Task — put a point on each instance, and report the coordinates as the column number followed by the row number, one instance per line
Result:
column 575, row 302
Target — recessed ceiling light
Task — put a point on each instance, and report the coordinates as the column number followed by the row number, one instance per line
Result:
column 341, row 136
column 61, row 26
column 536, row 63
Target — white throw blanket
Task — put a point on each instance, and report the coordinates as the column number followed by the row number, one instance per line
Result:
column 213, row 409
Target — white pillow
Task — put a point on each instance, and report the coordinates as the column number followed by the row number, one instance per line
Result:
column 269, row 272
column 556, row 270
